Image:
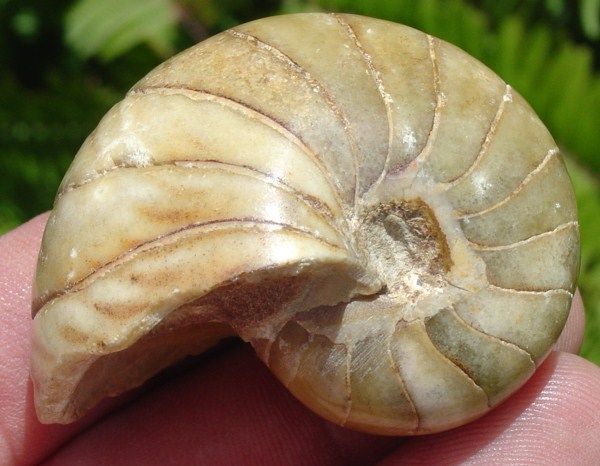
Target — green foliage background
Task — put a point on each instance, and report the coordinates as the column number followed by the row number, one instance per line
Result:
column 64, row 63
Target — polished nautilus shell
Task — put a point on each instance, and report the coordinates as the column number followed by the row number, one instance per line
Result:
column 385, row 220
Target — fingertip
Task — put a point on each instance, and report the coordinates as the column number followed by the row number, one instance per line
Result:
column 572, row 335
column 226, row 410
column 553, row 419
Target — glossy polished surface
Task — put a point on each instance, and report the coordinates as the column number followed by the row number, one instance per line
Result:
column 384, row 220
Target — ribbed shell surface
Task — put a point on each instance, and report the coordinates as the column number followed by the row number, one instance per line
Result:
column 241, row 188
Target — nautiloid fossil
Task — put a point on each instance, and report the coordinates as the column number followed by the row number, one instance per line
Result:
column 380, row 216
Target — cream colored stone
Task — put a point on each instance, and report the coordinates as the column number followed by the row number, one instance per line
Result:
column 385, row 220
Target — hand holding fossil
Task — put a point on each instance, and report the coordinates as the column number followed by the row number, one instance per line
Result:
column 230, row 410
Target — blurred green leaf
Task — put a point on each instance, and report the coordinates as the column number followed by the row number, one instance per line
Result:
column 112, row 27
column 26, row 23
column 587, row 191
column 556, row 7
column 509, row 48
column 473, row 29
column 590, row 18
column 533, row 61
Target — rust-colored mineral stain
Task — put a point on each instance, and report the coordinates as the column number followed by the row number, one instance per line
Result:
column 414, row 223
column 246, row 304
column 73, row 335
column 120, row 311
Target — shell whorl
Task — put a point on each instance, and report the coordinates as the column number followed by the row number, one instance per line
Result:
column 387, row 222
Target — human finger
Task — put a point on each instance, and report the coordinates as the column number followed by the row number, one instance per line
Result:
column 23, row 440
column 572, row 335
column 553, row 420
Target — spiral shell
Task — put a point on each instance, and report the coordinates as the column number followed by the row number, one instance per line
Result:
column 387, row 223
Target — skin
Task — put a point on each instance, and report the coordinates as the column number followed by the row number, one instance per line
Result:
column 227, row 408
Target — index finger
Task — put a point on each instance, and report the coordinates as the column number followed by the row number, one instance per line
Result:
column 22, row 438
column 572, row 335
